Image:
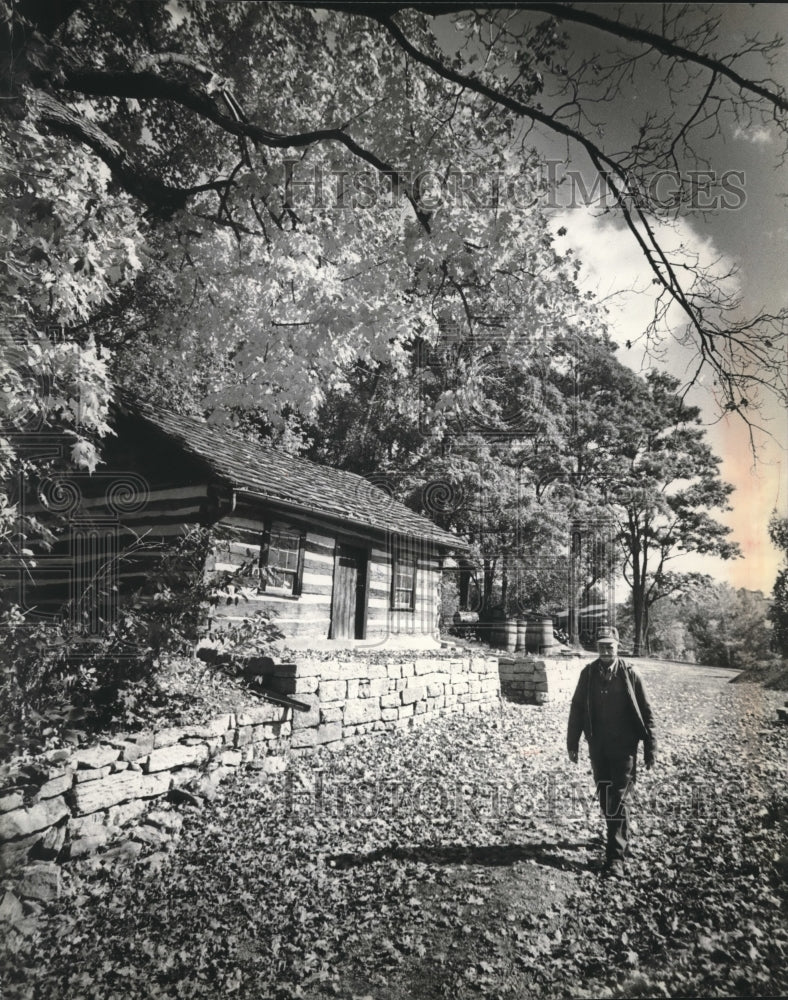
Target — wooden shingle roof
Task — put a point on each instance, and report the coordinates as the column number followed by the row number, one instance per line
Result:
column 284, row 479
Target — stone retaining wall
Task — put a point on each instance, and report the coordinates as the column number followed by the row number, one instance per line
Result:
column 68, row 803
column 538, row 679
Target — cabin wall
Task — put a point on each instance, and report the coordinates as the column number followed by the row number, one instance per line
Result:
column 238, row 546
column 115, row 528
column 309, row 614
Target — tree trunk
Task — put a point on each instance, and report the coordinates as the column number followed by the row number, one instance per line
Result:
column 489, row 578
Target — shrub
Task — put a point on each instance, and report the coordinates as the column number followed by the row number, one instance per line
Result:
column 61, row 675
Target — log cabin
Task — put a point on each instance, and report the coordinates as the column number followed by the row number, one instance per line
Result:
column 332, row 557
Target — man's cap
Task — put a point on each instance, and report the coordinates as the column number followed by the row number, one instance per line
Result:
column 607, row 632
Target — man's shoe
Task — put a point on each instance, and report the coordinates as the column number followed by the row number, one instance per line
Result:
column 614, row 868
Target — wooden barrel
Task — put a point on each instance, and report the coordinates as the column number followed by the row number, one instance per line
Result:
column 546, row 637
column 509, row 635
column 522, row 628
column 539, row 635
column 533, row 635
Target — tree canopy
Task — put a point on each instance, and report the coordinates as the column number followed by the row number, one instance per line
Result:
column 282, row 171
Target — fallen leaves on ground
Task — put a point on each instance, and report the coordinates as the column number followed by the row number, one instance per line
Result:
column 454, row 860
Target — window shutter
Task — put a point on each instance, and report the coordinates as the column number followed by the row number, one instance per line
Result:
column 393, row 588
column 299, row 578
column 415, row 550
column 265, row 544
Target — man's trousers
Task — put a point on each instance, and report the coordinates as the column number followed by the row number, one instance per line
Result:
column 614, row 774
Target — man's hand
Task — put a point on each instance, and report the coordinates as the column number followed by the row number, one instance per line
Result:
column 572, row 756
column 649, row 762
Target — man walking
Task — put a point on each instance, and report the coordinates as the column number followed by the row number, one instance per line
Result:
column 611, row 709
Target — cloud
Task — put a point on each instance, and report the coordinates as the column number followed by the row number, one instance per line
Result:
column 616, row 271
column 758, row 135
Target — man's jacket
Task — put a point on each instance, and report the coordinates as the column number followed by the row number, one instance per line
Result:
column 580, row 720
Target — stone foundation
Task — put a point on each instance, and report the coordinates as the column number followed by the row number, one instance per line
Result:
column 539, row 679
column 68, row 803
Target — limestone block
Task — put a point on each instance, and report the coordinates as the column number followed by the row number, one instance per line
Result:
column 116, row 788
column 10, row 802
column 82, row 826
column 376, row 671
column 260, row 714
column 168, row 737
column 96, row 756
column 23, row 822
column 424, row 666
column 170, row 757
column 138, row 746
column 306, row 720
column 353, row 687
column 405, row 711
column 11, row 911
column 408, row 669
column 361, row 711
column 435, row 690
column 420, row 707
column 331, row 713
column 56, row 786
column 390, row 701
column 244, row 735
column 118, row 815
column 209, row 730
column 394, row 670
column 332, row 690
column 304, row 738
column 93, row 774
column 312, row 668
column 230, row 758
column 41, row 882
column 329, row 733
column 389, row 714
column 416, row 692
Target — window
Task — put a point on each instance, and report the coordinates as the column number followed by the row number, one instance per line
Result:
column 403, row 579
column 281, row 561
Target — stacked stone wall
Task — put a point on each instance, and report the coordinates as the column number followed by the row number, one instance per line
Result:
column 68, row 803
column 539, row 679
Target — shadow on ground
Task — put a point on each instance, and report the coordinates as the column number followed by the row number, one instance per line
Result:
column 498, row 855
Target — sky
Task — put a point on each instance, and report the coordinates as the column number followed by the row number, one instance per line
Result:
column 753, row 236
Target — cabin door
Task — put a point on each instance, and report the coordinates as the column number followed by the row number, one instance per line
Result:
column 348, row 604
